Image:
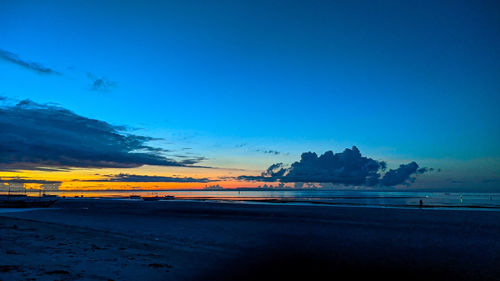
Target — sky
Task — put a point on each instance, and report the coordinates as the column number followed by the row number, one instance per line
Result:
column 183, row 94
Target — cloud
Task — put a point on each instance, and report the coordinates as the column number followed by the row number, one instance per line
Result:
column 20, row 183
column 37, row 136
column 402, row 175
column 192, row 160
column 45, row 169
column 33, row 66
column 348, row 167
column 100, row 84
column 145, row 178
column 27, row 180
column 425, row 170
column 275, row 152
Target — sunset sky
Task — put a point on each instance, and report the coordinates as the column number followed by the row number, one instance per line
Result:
column 183, row 94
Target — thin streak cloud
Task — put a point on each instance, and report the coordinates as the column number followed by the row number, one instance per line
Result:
column 146, row 178
column 33, row 66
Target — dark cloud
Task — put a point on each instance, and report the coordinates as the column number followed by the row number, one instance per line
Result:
column 258, row 178
column 348, row 167
column 187, row 159
column 275, row 170
column 35, row 136
column 33, row 66
column 180, row 156
column 144, row 178
column 100, row 84
column 275, row 152
column 402, row 175
column 274, row 173
column 26, row 180
column 425, row 170
column 45, row 169
column 192, row 160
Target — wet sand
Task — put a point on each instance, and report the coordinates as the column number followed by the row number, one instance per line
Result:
column 88, row 239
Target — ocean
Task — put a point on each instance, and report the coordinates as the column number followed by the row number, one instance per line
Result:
column 386, row 199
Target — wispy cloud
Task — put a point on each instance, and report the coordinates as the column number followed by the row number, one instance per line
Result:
column 100, row 84
column 27, row 180
column 146, row 178
column 97, row 83
column 269, row 151
column 33, row 66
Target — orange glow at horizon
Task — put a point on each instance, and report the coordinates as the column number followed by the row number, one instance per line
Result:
column 96, row 179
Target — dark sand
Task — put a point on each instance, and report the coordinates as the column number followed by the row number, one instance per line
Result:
column 89, row 239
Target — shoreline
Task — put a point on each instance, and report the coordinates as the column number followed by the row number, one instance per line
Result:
column 220, row 241
column 292, row 202
column 320, row 201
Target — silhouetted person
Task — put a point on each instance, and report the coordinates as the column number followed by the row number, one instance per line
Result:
column 421, row 204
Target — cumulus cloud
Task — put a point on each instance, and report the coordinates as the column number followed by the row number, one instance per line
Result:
column 33, row 66
column 348, row 167
column 145, row 178
column 273, row 173
column 402, row 175
column 40, row 136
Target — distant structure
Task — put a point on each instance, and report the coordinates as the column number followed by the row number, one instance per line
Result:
column 279, row 186
column 213, row 187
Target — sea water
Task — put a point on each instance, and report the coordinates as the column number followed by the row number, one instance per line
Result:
column 399, row 199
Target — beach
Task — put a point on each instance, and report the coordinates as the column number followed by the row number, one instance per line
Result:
column 105, row 239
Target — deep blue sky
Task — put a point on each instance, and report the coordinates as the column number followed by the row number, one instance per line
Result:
column 402, row 80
